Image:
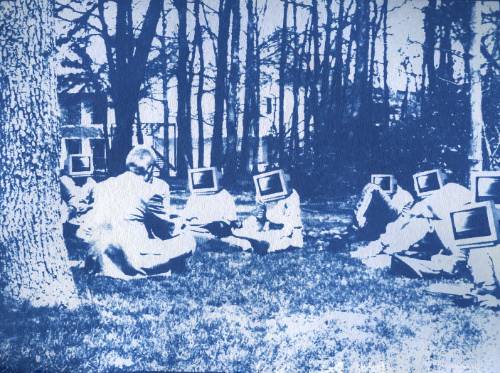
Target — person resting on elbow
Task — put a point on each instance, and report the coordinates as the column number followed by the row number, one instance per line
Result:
column 403, row 243
column 276, row 224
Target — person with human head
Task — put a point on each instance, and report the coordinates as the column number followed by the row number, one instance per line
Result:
column 378, row 207
column 130, row 229
column 212, row 214
column 275, row 225
column 426, row 217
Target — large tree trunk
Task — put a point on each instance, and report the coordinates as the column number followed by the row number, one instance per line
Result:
column 184, row 147
column 33, row 259
column 476, row 95
column 282, row 67
column 231, row 161
column 217, row 150
column 361, row 126
column 428, row 68
column 250, row 83
column 385, row 62
column 201, row 85
column 165, row 172
column 294, row 129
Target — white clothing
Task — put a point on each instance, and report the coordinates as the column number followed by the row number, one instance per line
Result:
column 484, row 264
column 116, row 226
column 285, row 212
column 208, row 208
column 401, row 200
column 426, row 216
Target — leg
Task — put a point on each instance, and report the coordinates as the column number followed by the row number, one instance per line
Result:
column 482, row 269
column 163, row 251
column 400, row 236
column 237, row 242
column 278, row 242
column 409, row 234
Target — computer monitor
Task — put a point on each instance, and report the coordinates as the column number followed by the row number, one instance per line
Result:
column 80, row 165
column 270, row 186
column 427, row 182
column 486, row 186
column 475, row 225
column 384, row 181
column 203, row 180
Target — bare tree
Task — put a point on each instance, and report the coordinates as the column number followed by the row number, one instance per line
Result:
column 231, row 162
column 476, row 95
column 127, row 56
column 185, row 146
column 220, row 81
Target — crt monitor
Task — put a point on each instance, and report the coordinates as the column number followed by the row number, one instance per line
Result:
column 427, row 182
column 80, row 165
column 203, row 180
column 384, row 181
column 475, row 225
column 486, row 186
column 270, row 185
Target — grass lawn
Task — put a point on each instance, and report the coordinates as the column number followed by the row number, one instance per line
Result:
column 303, row 310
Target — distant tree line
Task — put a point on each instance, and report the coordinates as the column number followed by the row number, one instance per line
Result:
column 334, row 61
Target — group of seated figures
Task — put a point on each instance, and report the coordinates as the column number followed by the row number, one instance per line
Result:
column 133, row 230
column 449, row 230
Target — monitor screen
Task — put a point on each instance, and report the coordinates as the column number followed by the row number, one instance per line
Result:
column 488, row 189
column 81, row 164
column 471, row 223
column 202, row 179
column 384, row 182
column 270, row 184
column 428, row 182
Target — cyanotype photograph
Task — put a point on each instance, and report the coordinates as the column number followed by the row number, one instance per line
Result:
column 250, row 186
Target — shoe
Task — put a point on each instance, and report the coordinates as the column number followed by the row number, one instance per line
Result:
column 372, row 249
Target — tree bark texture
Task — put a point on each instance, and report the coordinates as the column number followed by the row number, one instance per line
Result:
column 33, row 258
column 220, row 82
column 476, row 95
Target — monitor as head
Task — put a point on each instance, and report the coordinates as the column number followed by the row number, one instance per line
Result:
column 386, row 182
column 203, row 180
column 80, row 165
column 486, row 186
column 475, row 225
column 270, row 186
column 428, row 182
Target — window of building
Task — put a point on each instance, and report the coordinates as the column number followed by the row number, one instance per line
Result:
column 73, row 146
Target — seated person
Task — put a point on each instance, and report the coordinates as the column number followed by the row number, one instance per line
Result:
column 212, row 214
column 77, row 200
column 378, row 207
column 276, row 224
column 426, row 216
column 129, row 228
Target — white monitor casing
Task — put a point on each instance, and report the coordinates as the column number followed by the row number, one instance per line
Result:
column 374, row 178
column 215, row 180
column 75, row 173
column 475, row 175
column 425, row 173
column 493, row 225
column 274, row 196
